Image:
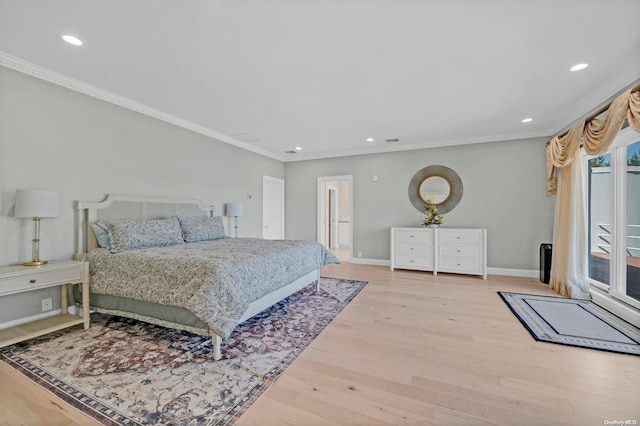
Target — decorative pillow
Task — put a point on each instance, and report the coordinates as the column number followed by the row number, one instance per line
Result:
column 101, row 236
column 135, row 234
column 201, row 228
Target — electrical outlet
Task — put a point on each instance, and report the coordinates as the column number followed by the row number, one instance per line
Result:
column 359, row 254
column 46, row 305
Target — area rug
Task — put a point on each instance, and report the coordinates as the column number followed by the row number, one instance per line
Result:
column 573, row 322
column 125, row 372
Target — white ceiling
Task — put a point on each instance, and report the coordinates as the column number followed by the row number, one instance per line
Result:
column 327, row 74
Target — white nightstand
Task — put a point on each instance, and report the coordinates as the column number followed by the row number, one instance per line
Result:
column 18, row 279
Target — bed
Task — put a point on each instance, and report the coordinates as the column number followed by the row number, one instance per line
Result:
column 169, row 262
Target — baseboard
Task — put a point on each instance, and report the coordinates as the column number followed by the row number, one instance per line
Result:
column 25, row 320
column 527, row 273
column 365, row 261
column 616, row 307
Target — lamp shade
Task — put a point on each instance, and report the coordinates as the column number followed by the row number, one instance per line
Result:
column 32, row 203
column 235, row 209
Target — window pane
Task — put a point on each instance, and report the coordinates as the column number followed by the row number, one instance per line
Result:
column 633, row 220
column 600, row 218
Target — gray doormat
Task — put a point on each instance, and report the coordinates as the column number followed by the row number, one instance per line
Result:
column 573, row 322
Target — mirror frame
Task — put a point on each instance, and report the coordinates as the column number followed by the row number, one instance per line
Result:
column 455, row 185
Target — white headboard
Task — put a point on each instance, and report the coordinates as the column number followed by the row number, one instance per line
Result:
column 126, row 207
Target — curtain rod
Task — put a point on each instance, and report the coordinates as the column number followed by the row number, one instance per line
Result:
column 598, row 112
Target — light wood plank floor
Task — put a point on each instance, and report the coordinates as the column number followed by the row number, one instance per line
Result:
column 417, row 349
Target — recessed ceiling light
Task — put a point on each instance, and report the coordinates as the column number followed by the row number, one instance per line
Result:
column 527, row 120
column 579, row 67
column 74, row 41
column 370, row 139
column 298, row 148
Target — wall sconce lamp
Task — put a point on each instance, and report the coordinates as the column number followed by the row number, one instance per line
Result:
column 36, row 205
column 236, row 210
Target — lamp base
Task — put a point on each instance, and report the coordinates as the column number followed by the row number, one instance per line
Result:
column 35, row 263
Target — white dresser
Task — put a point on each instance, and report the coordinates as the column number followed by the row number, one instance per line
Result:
column 455, row 250
column 461, row 251
column 412, row 248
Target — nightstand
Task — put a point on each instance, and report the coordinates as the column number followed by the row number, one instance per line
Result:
column 19, row 279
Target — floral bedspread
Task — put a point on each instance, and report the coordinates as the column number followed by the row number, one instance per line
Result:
column 216, row 280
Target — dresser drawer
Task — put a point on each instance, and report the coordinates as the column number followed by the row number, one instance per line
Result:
column 459, row 251
column 403, row 249
column 459, row 237
column 38, row 279
column 414, row 236
column 468, row 266
column 413, row 262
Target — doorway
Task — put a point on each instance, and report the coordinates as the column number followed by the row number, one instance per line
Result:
column 335, row 215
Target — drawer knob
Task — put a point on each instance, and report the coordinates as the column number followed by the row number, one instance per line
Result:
column 32, row 281
column 411, row 248
column 458, row 264
column 458, row 251
column 458, row 237
column 411, row 236
column 411, row 261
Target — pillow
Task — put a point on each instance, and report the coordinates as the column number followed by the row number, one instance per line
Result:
column 202, row 228
column 101, row 236
column 135, row 234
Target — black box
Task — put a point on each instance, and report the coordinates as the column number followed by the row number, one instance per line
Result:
column 545, row 263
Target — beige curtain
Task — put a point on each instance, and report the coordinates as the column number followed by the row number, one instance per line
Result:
column 569, row 256
column 598, row 135
column 564, row 178
column 560, row 153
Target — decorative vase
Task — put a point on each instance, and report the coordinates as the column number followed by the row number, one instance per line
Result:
column 433, row 225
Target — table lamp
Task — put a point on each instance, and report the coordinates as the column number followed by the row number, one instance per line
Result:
column 36, row 205
column 236, row 210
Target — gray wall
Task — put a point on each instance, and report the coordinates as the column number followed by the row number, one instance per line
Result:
column 504, row 192
column 52, row 138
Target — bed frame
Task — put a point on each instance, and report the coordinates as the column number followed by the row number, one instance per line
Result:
column 123, row 207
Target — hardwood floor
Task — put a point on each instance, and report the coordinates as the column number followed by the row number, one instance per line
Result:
column 417, row 349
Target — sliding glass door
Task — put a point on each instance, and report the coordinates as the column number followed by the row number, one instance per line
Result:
column 631, row 244
column 614, row 219
column 601, row 211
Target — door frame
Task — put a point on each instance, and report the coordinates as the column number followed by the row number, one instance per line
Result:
column 322, row 208
column 613, row 297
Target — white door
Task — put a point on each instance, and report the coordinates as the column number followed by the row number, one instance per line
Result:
column 333, row 217
column 272, row 208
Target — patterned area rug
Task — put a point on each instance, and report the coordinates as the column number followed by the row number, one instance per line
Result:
column 126, row 372
column 573, row 322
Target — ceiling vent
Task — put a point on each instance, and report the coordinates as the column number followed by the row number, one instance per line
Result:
column 245, row 137
column 395, row 140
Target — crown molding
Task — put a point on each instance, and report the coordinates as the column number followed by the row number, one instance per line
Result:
column 20, row 65
column 382, row 149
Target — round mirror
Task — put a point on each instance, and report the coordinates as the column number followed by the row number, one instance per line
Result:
column 434, row 190
column 437, row 185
